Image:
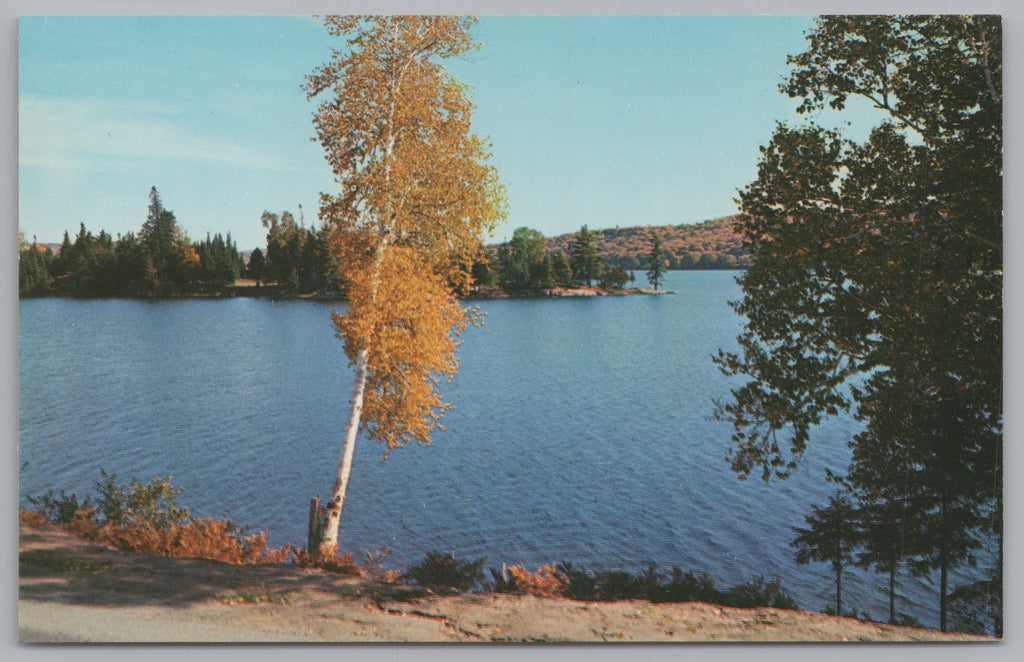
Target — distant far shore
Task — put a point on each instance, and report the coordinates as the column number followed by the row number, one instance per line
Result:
column 253, row 293
column 245, row 288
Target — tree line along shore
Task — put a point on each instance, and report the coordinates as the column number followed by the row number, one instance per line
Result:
column 161, row 260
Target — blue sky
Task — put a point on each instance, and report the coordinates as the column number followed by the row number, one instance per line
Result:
column 604, row 121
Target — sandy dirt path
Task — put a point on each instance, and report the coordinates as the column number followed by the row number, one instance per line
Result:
column 73, row 591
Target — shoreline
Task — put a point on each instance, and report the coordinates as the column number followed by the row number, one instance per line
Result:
column 341, row 299
column 260, row 292
column 71, row 590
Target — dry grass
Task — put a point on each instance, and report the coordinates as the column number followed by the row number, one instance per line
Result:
column 376, row 570
column 547, row 582
column 326, row 558
column 211, row 539
column 32, row 517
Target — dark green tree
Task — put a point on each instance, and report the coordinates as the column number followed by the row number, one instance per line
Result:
column 254, row 269
column 655, row 262
column 583, row 257
column 831, row 537
column 62, row 261
column 614, row 277
column 135, row 273
column 162, row 240
column 876, row 270
column 483, row 274
column 218, row 263
column 298, row 258
column 561, row 271
column 34, row 264
column 522, row 262
column 884, row 480
column 541, row 273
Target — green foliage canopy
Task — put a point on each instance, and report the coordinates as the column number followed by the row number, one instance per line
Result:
column 876, row 276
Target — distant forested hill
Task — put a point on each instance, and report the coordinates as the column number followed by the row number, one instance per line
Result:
column 707, row 245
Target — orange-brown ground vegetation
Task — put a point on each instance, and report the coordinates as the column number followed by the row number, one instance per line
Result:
column 547, row 582
column 211, row 539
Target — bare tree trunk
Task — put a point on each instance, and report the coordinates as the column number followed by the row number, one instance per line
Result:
column 316, row 525
column 355, row 411
column 892, row 592
column 839, row 590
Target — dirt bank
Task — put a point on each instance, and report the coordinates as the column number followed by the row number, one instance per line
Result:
column 71, row 590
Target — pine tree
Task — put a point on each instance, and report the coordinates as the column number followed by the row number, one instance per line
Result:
column 561, row 271
column 583, row 257
column 164, row 243
column 655, row 262
column 254, row 269
column 831, row 537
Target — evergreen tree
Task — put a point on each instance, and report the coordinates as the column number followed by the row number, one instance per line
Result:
column 34, row 264
column 62, row 261
column 613, row 277
column 135, row 275
column 655, row 262
column 884, row 479
column 157, row 235
column 583, row 257
column 298, row 259
column 831, row 537
column 254, row 269
column 561, row 270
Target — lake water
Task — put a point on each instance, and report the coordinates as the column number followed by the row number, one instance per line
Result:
column 580, row 433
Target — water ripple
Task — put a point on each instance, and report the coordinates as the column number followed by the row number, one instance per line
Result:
column 579, row 433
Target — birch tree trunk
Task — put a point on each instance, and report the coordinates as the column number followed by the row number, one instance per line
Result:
column 348, row 449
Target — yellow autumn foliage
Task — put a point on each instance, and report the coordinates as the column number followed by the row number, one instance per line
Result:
column 417, row 195
column 409, row 321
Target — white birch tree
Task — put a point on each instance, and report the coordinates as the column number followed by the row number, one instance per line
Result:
column 416, row 196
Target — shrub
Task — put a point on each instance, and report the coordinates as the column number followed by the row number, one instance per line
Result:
column 977, row 608
column 136, row 504
column 146, row 519
column 32, row 517
column 59, row 510
column 581, row 585
column 649, row 584
column 445, row 572
column 213, row 539
column 689, row 587
column 758, row 593
column 617, row 585
column 906, row 620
